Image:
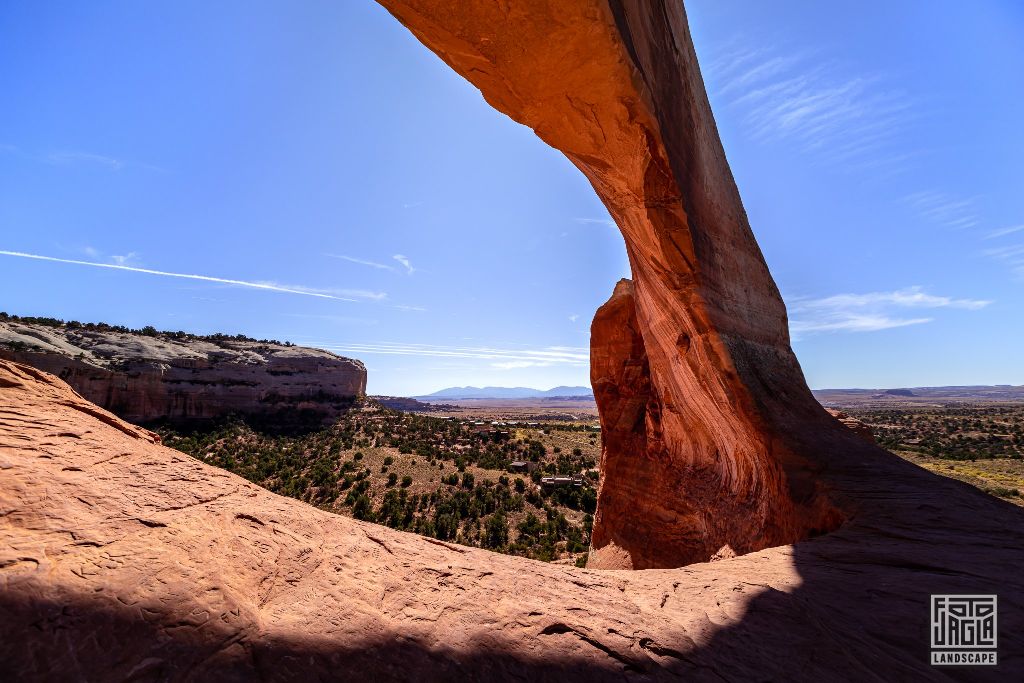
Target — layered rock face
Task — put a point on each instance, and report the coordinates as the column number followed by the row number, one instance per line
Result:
column 148, row 378
column 727, row 446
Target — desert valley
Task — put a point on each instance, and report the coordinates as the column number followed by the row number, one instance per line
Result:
column 511, row 470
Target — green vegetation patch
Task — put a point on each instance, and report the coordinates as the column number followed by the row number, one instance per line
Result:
column 449, row 479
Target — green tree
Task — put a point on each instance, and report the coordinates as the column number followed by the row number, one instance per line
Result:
column 496, row 532
column 363, row 508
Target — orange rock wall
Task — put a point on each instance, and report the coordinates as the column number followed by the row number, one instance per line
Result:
column 723, row 459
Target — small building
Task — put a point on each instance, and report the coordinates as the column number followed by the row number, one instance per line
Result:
column 561, row 481
column 520, row 466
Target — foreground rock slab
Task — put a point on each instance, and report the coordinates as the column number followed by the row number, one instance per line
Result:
column 121, row 559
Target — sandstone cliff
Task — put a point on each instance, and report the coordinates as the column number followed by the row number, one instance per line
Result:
column 143, row 378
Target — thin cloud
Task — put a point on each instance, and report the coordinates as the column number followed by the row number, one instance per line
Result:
column 911, row 297
column 353, row 293
column 850, row 119
column 850, row 322
column 519, row 364
column 269, row 286
column 596, row 221
column 751, row 68
column 574, row 317
column 64, row 158
column 1004, row 232
column 870, row 312
column 124, row 259
column 503, row 357
column 953, row 212
column 362, row 262
column 339, row 319
column 404, row 260
column 1010, row 251
column 1011, row 255
column 77, row 158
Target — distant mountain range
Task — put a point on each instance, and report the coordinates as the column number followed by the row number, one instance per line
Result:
column 459, row 393
column 829, row 397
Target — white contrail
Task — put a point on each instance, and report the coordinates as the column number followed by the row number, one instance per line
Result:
column 205, row 278
column 551, row 355
column 362, row 262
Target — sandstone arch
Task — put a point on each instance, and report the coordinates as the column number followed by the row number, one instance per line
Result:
column 711, row 435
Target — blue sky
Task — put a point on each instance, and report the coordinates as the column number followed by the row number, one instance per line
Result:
column 331, row 182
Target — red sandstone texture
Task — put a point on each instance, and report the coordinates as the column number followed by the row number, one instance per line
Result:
column 145, row 378
column 711, row 430
column 121, row 559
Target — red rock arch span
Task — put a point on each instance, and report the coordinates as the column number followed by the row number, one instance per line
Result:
column 712, row 437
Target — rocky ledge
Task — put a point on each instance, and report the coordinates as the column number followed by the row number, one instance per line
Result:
column 146, row 376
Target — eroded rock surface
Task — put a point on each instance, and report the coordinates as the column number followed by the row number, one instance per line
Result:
column 147, row 378
column 731, row 446
column 121, row 559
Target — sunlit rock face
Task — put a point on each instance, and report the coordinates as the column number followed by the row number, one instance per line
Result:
column 710, row 428
column 146, row 378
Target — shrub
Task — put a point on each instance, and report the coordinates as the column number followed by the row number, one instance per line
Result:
column 496, row 531
column 363, row 508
